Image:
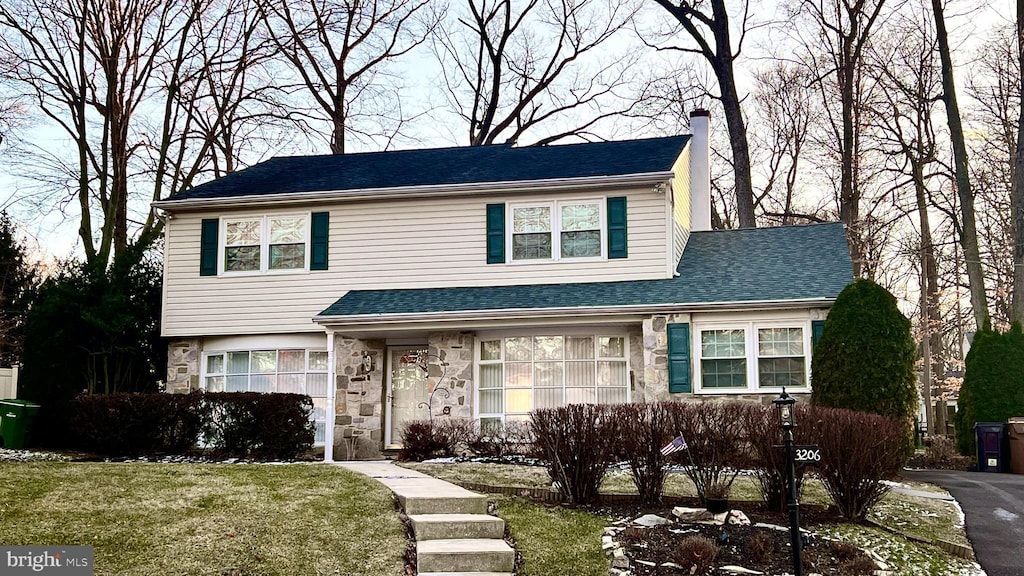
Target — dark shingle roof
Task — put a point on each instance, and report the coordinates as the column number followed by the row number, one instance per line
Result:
column 760, row 264
column 443, row 166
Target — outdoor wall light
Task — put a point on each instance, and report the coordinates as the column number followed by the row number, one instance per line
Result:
column 787, row 416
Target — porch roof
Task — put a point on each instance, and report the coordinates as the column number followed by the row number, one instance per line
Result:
column 790, row 263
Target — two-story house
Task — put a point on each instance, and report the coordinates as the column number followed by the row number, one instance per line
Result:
column 500, row 279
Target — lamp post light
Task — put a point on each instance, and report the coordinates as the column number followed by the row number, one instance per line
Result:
column 787, row 421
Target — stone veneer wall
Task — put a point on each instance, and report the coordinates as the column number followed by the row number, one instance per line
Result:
column 455, row 350
column 359, row 406
column 183, row 365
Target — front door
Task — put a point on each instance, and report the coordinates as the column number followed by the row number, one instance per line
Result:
column 408, row 387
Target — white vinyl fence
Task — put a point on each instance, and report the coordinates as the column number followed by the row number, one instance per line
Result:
column 8, row 383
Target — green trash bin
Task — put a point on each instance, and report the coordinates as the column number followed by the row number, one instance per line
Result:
column 16, row 418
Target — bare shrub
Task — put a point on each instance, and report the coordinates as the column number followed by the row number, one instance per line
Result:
column 860, row 566
column 769, row 462
column 714, row 433
column 578, row 444
column 844, row 551
column 759, row 547
column 696, row 554
column 858, row 451
column 940, row 453
column 646, row 429
column 502, row 440
column 632, row 535
column 423, row 439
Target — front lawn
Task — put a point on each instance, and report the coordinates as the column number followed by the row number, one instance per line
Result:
column 217, row 519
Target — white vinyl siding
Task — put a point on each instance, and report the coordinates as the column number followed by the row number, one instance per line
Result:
column 422, row 243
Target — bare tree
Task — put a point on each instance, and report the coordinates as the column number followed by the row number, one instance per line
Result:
column 841, row 32
column 968, row 231
column 124, row 84
column 903, row 63
column 511, row 67
column 707, row 23
column 341, row 52
column 785, row 114
column 1017, row 190
column 994, row 107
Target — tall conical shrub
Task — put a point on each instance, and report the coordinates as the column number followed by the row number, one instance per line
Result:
column 864, row 359
column 993, row 388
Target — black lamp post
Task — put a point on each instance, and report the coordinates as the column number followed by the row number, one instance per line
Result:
column 787, row 421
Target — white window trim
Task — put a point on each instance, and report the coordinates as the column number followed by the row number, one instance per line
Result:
column 750, row 342
column 487, row 336
column 264, row 244
column 556, row 230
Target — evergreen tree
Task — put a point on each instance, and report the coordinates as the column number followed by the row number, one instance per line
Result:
column 17, row 282
column 864, row 359
column 993, row 388
column 93, row 330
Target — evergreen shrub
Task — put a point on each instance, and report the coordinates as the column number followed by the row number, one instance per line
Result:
column 993, row 387
column 864, row 359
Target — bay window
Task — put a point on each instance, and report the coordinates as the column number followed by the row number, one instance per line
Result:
column 269, row 371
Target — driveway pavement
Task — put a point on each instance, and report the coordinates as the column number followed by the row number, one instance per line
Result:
column 994, row 507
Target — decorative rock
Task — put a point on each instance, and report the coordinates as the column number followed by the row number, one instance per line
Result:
column 671, row 565
column 738, row 570
column 646, row 563
column 738, row 518
column 619, row 559
column 651, row 520
column 612, row 530
column 692, row 514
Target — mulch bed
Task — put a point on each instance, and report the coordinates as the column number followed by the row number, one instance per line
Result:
column 698, row 549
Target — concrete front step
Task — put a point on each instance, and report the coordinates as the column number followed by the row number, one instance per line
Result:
column 464, row 555
column 416, row 504
column 448, row 526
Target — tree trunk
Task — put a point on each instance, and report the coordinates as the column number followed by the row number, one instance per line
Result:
column 969, row 231
column 740, row 153
column 1017, row 188
column 849, row 200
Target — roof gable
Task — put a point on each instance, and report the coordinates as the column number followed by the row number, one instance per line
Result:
column 443, row 166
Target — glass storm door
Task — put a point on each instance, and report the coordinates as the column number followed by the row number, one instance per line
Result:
column 408, row 386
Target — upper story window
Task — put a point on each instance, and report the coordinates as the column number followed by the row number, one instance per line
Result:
column 265, row 243
column 557, row 230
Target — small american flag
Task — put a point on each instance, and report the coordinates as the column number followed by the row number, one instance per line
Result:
column 675, row 445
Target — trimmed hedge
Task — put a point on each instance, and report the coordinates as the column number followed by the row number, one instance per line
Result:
column 993, row 388
column 865, row 358
column 259, row 426
column 231, row 424
column 137, row 424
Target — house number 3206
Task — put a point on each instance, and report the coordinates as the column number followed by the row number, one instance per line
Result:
column 807, row 454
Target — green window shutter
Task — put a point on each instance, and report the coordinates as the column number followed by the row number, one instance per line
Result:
column 319, row 241
column 617, row 227
column 817, row 327
column 495, row 233
column 679, row 358
column 208, row 247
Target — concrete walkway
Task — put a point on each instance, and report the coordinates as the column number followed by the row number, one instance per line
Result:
column 994, row 507
column 454, row 534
